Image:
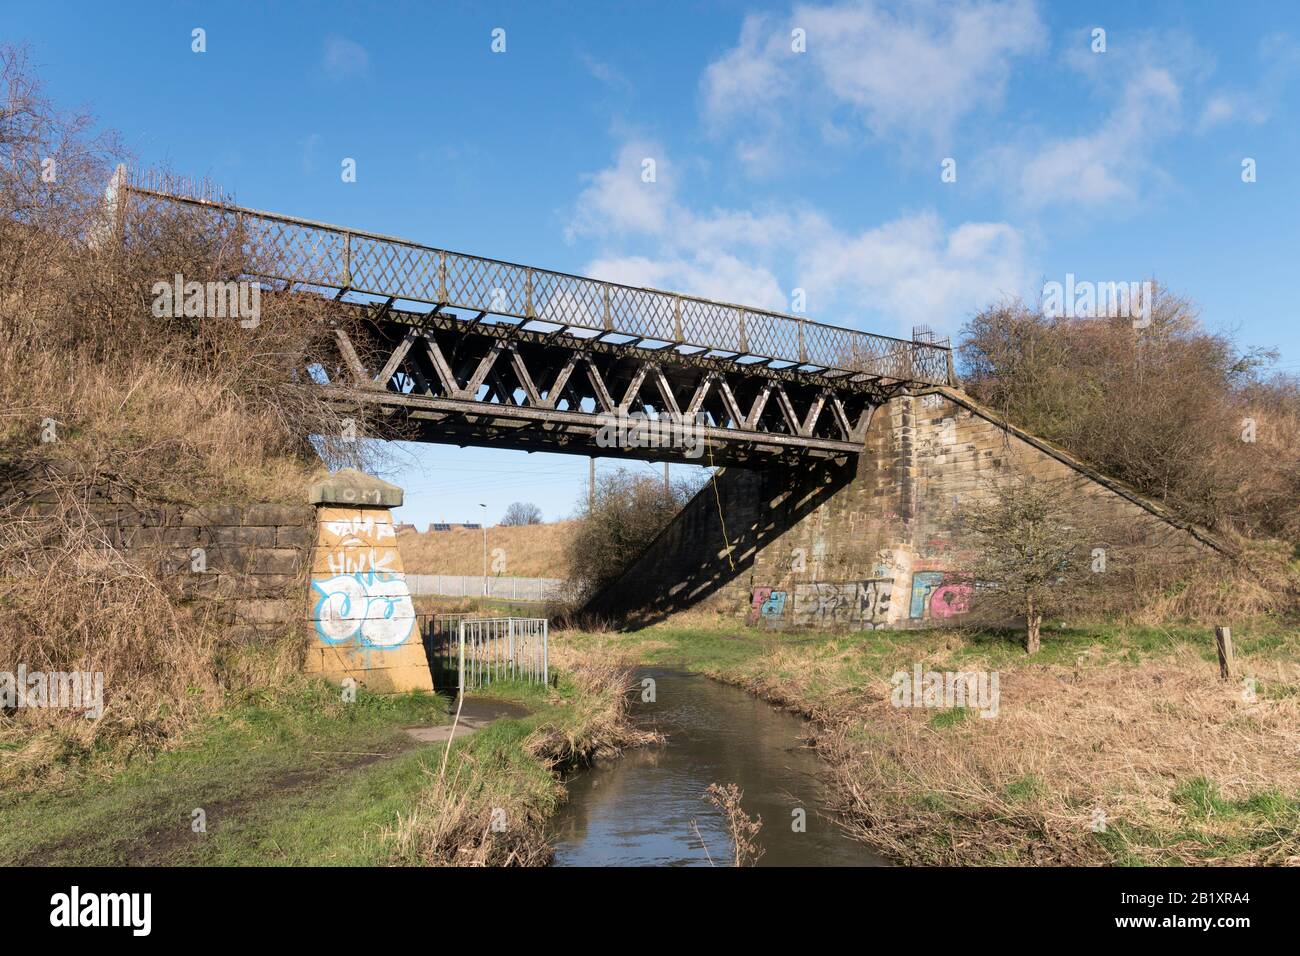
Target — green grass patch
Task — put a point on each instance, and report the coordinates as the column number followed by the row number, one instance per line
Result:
column 300, row 779
column 949, row 717
column 255, row 756
column 1024, row 789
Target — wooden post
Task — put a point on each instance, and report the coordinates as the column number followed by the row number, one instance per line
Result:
column 1223, row 642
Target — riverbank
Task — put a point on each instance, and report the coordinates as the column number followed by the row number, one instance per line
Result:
column 1111, row 746
column 305, row 778
column 653, row 806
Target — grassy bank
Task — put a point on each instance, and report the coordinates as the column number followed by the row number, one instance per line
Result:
column 1114, row 745
column 529, row 551
column 308, row 779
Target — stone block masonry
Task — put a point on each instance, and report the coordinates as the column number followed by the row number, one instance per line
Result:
column 873, row 544
column 359, row 605
column 326, row 571
column 245, row 564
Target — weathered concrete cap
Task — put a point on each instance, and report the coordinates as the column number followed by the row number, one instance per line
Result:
column 356, row 488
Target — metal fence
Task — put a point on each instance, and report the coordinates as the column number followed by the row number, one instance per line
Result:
column 441, row 636
column 465, row 585
column 332, row 257
column 467, row 654
column 504, row 648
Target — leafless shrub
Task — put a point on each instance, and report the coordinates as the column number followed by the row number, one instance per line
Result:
column 522, row 513
column 101, row 397
column 1178, row 413
column 629, row 510
column 742, row 827
column 1029, row 554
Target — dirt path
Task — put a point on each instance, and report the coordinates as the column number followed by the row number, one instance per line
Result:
column 174, row 842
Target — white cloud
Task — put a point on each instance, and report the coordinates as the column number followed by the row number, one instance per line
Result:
column 618, row 199
column 309, row 152
column 343, row 58
column 718, row 275
column 1280, row 58
column 1104, row 164
column 910, row 70
column 912, row 270
column 605, row 73
column 1226, row 107
column 918, row 270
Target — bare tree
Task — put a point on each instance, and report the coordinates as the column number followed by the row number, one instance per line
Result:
column 630, row 509
column 1029, row 553
column 522, row 513
column 1178, row 412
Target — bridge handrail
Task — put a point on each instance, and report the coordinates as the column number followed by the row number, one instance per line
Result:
column 320, row 254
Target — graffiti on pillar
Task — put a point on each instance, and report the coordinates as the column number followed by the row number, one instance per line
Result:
column 949, row 600
column 873, row 601
column 360, row 591
column 822, row 603
column 924, row 583
column 370, row 607
column 935, row 599
column 850, row 603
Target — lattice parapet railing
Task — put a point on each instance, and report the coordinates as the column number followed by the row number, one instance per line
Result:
column 317, row 254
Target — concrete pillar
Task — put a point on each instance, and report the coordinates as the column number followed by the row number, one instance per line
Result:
column 360, row 608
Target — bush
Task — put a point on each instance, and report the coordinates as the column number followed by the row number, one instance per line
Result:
column 629, row 510
column 101, row 397
column 1177, row 412
column 522, row 513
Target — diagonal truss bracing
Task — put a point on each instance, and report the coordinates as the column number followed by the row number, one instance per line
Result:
column 525, row 358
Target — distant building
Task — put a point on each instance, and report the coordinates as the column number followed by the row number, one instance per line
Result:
column 452, row 526
column 400, row 527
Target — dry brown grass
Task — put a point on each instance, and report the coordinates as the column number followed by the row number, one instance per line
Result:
column 743, row 828
column 488, row 805
column 602, row 728
column 71, row 603
column 161, row 410
column 1133, row 741
column 531, row 551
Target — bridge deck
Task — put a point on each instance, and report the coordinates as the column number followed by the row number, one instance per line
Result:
column 756, row 384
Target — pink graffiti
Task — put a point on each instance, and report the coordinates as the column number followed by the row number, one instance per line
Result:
column 950, row 600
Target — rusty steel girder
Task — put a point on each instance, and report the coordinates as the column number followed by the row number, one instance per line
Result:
column 529, row 358
column 456, row 382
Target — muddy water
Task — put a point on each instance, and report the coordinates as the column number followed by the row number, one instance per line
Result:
column 638, row 810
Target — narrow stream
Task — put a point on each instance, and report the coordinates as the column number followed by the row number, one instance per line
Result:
column 638, row 810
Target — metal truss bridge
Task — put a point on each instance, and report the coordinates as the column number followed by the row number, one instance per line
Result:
column 473, row 351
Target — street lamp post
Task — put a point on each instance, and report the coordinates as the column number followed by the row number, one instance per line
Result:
column 483, row 605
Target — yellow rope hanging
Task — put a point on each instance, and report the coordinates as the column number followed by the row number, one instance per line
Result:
column 718, row 498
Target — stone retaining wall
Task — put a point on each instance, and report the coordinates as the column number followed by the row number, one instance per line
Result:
column 248, row 562
column 869, row 544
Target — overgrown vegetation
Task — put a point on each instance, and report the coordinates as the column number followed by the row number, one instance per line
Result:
column 1113, row 745
column 629, row 509
column 488, row 806
column 105, row 403
column 1174, row 410
column 271, row 771
column 1027, row 554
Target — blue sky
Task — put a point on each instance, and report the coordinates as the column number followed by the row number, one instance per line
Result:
column 775, row 169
